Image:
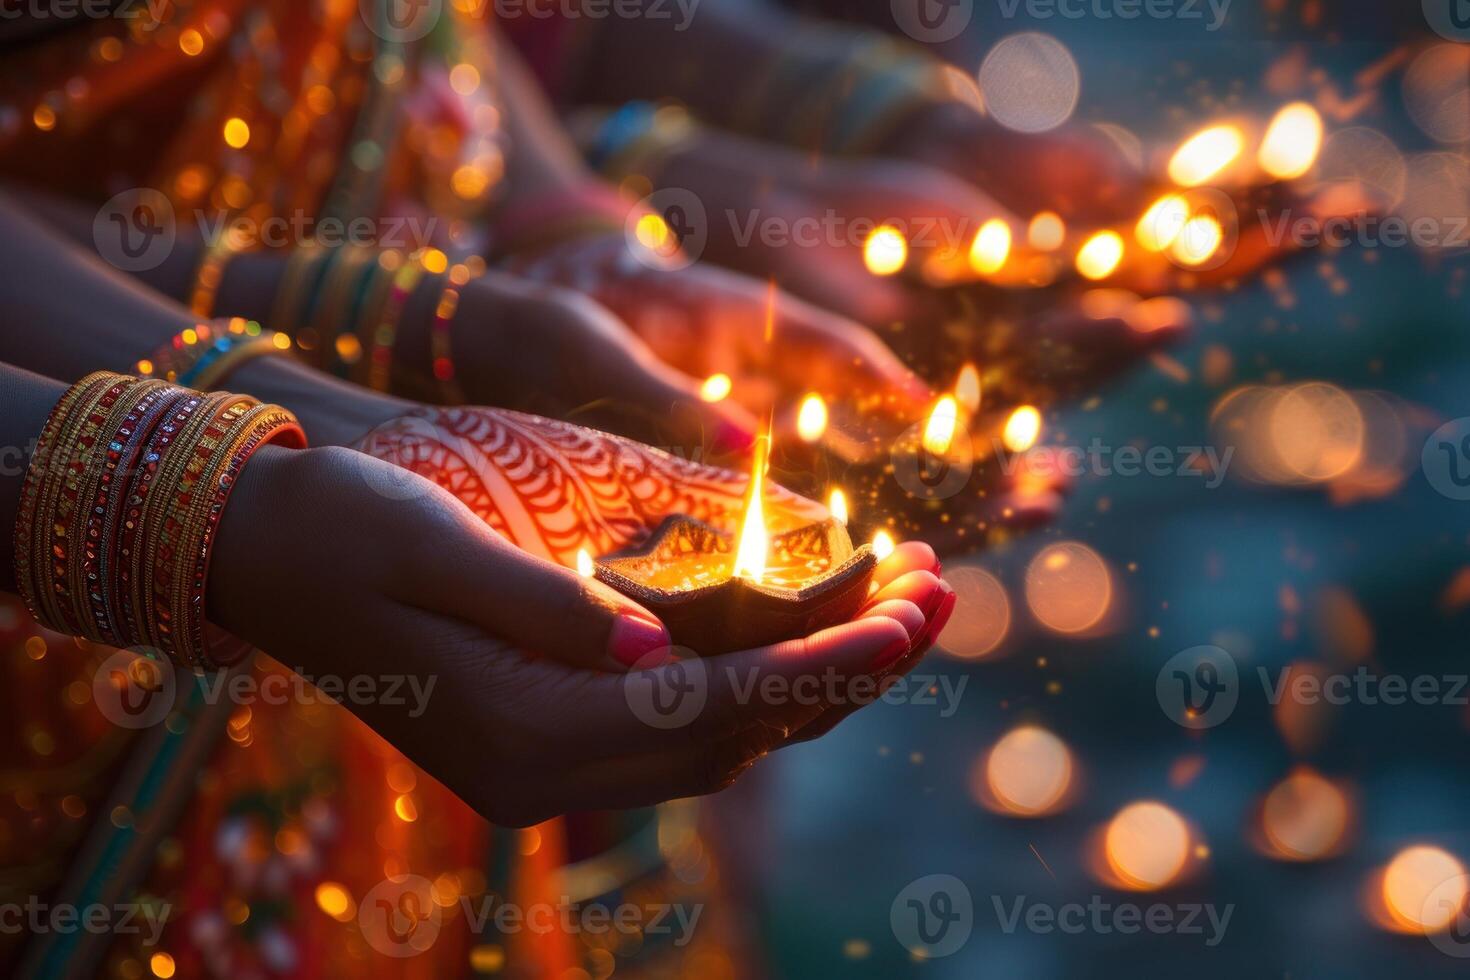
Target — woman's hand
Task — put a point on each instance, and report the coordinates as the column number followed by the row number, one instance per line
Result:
column 703, row 320
column 342, row 564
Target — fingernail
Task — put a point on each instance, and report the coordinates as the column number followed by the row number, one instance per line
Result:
column 890, row 653
column 937, row 624
column 632, row 638
column 935, row 597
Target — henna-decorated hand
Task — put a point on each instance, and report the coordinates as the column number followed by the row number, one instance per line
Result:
column 340, row 563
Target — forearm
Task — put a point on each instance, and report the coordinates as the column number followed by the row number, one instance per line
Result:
column 69, row 314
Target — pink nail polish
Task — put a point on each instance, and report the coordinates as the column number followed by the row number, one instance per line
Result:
column 937, row 624
column 633, row 638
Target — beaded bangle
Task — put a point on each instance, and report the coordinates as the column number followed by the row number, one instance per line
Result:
column 441, row 350
column 121, row 505
column 204, row 355
column 301, row 267
column 385, row 333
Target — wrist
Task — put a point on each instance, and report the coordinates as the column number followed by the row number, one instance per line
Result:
column 333, row 412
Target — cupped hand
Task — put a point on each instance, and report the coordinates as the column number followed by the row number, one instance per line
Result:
column 704, row 320
column 338, row 563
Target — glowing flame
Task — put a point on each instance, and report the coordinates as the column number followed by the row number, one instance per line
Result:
column 1146, row 845
column 991, row 248
column 883, row 544
column 811, row 418
column 1424, row 889
column 750, row 555
column 1100, row 255
column 1292, row 141
column 885, row 251
column 716, row 388
column 1199, row 239
column 967, row 388
column 939, row 430
column 1162, row 222
column 837, row 504
column 1046, row 232
column 1022, row 429
column 584, row 563
column 1205, row 154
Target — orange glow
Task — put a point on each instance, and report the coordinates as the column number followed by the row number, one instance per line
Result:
column 237, row 132
column 1068, row 587
column 1424, row 889
column 811, row 418
column 1146, row 845
column 1162, row 223
column 653, row 232
column 584, row 563
column 991, row 248
column 1205, row 154
column 967, row 388
column 334, row 900
column 883, row 544
column 1197, row 241
column 750, row 554
column 162, row 965
column 885, row 252
column 1304, row 817
column 837, row 505
column 1046, row 232
column 1317, row 431
column 982, row 613
column 939, row 429
column 1028, row 772
column 716, row 388
column 1022, row 429
column 1292, row 142
column 1100, row 255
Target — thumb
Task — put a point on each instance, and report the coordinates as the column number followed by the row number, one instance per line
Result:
column 536, row 605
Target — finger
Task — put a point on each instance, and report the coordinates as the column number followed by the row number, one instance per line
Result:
column 781, row 686
column 943, row 607
column 909, row 556
column 476, row 575
column 669, row 403
column 918, row 587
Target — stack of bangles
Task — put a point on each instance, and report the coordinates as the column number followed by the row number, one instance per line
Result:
column 343, row 305
column 204, row 355
column 120, row 509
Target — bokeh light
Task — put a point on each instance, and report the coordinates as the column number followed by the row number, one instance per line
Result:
column 1100, row 255
column 716, row 388
column 885, row 252
column 1423, row 889
column 1068, row 587
column 1026, row 774
column 1146, row 845
column 991, row 247
column 982, row 613
column 1030, row 82
column 1205, row 154
column 1022, row 429
column 811, row 418
column 1304, row 817
column 1292, row 141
